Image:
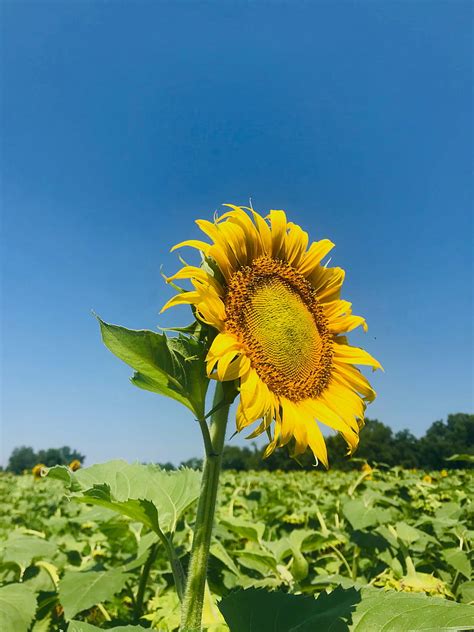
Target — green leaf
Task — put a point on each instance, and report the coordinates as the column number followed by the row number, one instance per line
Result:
column 145, row 493
column 17, row 608
column 467, row 458
column 244, row 529
column 82, row 626
column 458, row 560
column 258, row 561
column 360, row 515
column 350, row 610
column 22, row 549
column 79, row 590
column 173, row 367
column 218, row 551
column 42, row 625
column 407, row 533
column 250, row 610
column 467, row 592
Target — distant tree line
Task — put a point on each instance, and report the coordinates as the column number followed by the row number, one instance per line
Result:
column 25, row 458
column 378, row 445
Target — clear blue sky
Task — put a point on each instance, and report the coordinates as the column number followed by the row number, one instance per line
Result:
column 124, row 121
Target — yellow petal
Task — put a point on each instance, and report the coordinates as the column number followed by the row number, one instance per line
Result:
column 193, row 243
column 224, row 363
column 255, row 397
column 353, row 355
column 222, row 344
column 337, row 308
column 252, row 238
column 347, row 407
column 209, row 316
column 346, row 324
column 278, row 228
column 267, row 420
column 289, row 418
column 264, row 233
column 327, row 416
column 352, row 377
column 317, row 444
column 198, row 274
column 296, row 244
column 185, row 298
column 327, row 283
column 209, row 228
column 316, row 253
column 234, row 238
column 239, row 367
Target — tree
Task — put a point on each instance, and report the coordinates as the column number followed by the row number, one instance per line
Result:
column 24, row 458
column 194, row 463
column 407, row 449
column 21, row 459
column 442, row 440
column 59, row 456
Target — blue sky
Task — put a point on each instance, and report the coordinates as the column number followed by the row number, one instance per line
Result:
column 123, row 122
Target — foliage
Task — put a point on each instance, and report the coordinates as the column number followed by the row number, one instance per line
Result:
column 173, row 367
column 357, row 534
column 342, row 610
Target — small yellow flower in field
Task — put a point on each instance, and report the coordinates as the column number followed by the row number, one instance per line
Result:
column 281, row 328
column 74, row 465
column 427, row 479
column 37, row 470
column 443, row 473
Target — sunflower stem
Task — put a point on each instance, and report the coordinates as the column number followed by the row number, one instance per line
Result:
column 191, row 612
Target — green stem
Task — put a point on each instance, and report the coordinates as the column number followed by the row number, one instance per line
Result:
column 138, row 609
column 176, row 568
column 191, row 613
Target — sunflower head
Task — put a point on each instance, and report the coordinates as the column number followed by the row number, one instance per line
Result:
column 280, row 329
column 74, row 465
column 37, row 470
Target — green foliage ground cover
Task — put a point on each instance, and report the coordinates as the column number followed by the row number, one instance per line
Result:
column 353, row 550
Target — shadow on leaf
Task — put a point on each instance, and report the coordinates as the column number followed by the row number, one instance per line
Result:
column 254, row 610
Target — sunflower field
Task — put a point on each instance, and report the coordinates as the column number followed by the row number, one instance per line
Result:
column 368, row 550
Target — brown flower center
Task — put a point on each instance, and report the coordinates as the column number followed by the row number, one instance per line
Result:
column 274, row 312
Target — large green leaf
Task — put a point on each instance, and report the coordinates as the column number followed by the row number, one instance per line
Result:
column 144, row 493
column 351, row 610
column 22, row 549
column 361, row 515
column 17, row 608
column 81, row 590
column 174, row 367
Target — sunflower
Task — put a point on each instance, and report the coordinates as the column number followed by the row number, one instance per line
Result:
column 280, row 322
column 37, row 470
column 75, row 465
